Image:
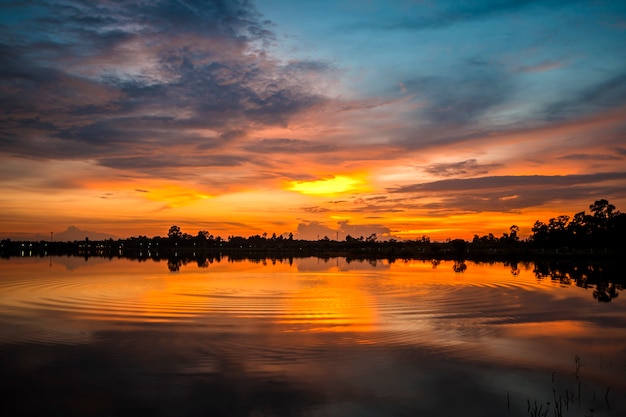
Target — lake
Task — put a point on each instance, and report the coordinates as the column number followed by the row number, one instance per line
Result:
column 308, row 337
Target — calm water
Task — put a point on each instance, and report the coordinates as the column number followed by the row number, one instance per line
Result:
column 305, row 338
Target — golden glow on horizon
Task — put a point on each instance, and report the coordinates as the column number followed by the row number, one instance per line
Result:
column 327, row 186
column 418, row 232
column 241, row 201
column 174, row 195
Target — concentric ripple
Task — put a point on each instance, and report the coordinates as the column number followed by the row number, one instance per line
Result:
column 407, row 304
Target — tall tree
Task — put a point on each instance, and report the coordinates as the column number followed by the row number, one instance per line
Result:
column 174, row 233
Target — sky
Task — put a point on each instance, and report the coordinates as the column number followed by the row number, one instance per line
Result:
column 320, row 118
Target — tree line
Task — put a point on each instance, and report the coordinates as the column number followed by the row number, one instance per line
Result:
column 603, row 229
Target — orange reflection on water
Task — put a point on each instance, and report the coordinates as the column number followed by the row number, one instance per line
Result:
column 499, row 310
column 331, row 303
column 323, row 300
column 560, row 328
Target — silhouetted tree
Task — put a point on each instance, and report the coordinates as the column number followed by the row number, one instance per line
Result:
column 202, row 238
column 458, row 246
column 602, row 210
column 604, row 227
column 174, row 233
column 580, row 228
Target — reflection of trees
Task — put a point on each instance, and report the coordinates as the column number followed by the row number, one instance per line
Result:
column 459, row 266
column 514, row 268
column 605, row 292
column 174, row 264
column 203, row 261
column 604, row 279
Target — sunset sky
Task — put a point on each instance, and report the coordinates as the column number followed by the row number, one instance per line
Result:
column 401, row 118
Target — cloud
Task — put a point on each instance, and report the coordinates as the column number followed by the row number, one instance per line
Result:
column 150, row 162
column 605, row 94
column 507, row 193
column 284, row 145
column 509, row 182
column 313, row 230
column 129, row 84
column 316, row 209
column 547, row 65
column 463, row 97
column 445, row 14
column 590, row 157
column 365, row 230
column 74, row 233
column 469, row 167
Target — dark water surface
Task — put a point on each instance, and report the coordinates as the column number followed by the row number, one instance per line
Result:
column 309, row 338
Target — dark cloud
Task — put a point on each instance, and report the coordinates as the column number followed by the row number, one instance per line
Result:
column 284, row 145
column 590, row 157
column 469, row 167
column 509, row 182
column 508, row 193
column 109, row 80
column 494, row 201
column 315, row 67
column 229, row 137
column 149, row 162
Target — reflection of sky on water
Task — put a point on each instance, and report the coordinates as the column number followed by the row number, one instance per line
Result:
column 336, row 338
